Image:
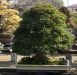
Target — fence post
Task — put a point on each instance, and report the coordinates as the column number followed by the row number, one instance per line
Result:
column 69, row 58
column 14, row 57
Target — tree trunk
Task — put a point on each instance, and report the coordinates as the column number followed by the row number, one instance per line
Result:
column 40, row 58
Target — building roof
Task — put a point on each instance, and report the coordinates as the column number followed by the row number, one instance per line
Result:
column 73, row 6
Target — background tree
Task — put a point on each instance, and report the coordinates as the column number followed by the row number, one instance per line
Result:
column 27, row 4
column 71, row 19
column 65, row 11
column 58, row 3
column 9, row 19
column 74, row 20
column 43, row 30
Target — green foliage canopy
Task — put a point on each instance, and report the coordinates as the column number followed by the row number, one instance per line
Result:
column 43, row 29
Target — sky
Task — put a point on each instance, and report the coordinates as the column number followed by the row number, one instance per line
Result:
column 69, row 2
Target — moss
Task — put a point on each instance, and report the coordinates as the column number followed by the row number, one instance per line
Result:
column 48, row 61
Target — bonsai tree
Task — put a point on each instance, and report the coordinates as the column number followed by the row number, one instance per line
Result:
column 42, row 31
column 9, row 19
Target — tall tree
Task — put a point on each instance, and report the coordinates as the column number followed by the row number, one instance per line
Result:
column 9, row 19
column 42, row 30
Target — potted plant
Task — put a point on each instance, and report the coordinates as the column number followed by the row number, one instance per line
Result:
column 43, row 31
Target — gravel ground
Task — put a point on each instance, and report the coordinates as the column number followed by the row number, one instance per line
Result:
column 5, row 57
